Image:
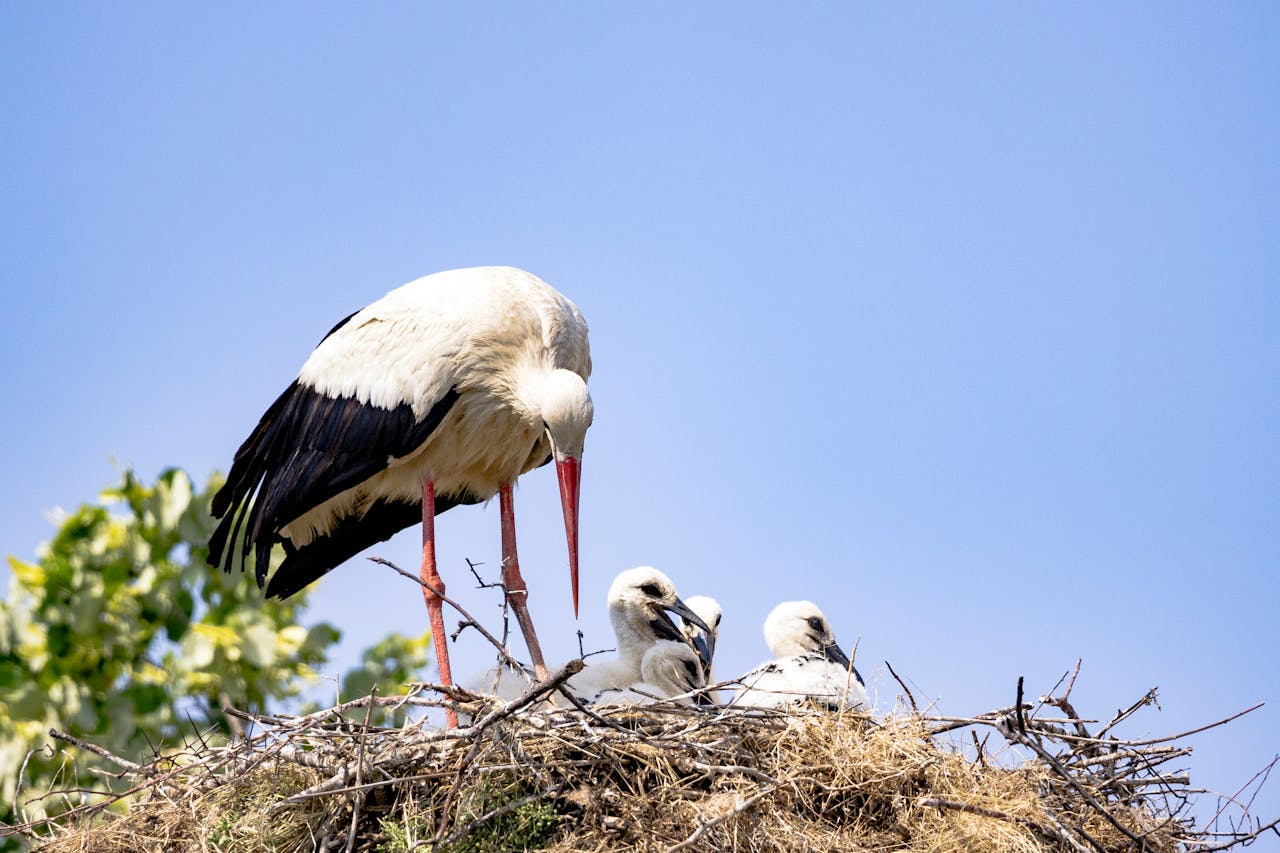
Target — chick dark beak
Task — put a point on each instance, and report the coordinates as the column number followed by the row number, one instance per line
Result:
column 682, row 610
column 705, row 645
column 836, row 655
column 665, row 629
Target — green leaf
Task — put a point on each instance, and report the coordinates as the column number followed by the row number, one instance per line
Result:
column 118, row 622
column 179, row 618
column 147, row 697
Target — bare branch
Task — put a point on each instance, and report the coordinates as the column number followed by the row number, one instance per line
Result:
column 905, row 690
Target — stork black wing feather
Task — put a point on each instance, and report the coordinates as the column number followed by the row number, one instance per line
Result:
column 383, row 520
column 307, row 448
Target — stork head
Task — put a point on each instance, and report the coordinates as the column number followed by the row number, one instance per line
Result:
column 675, row 669
column 704, row 642
column 798, row 627
column 639, row 601
column 566, row 411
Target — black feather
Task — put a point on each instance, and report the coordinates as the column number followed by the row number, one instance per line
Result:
column 307, row 448
column 352, row 535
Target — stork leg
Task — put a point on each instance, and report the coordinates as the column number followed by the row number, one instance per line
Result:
column 433, row 589
column 517, row 591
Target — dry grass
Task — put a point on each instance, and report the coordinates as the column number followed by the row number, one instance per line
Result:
column 659, row 778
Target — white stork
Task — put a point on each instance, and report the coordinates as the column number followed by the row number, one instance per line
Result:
column 639, row 600
column 808, row 667
column 441, row 393
column 669, row 668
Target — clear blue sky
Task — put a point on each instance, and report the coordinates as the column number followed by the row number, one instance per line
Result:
column 963, row 322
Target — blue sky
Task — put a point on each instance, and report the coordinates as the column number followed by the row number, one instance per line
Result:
column 962, row 322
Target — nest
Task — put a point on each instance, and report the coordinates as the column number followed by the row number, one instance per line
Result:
column 662, row 777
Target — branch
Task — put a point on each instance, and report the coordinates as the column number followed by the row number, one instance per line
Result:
column 716, row 821
column 97, row 750
column 910, row 698
column 502, row 650
column 1022, row 738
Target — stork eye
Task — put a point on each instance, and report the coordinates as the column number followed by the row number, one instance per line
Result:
column 815, row 623
column 718, row 621
column 692, row 669
column 651, row 589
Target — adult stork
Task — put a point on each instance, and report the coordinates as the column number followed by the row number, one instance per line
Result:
column 441, row 393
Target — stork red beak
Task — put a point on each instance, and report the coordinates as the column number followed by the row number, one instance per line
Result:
column 569, row 471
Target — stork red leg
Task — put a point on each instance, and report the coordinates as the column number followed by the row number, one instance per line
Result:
column 433, row 588
column 517, row 592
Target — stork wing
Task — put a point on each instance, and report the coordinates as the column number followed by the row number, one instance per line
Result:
column 327, row 433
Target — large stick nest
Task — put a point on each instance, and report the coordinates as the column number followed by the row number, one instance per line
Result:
column 662, row 777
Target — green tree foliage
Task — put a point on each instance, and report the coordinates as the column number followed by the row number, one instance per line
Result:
column 121, row 635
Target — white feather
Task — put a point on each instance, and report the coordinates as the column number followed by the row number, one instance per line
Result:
column 797, row 633
column 515, row 350
column 631, row 609
column 668, row 668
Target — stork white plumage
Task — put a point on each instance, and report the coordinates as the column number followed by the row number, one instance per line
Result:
column 639, row 600
column 808, row 665
column 668, row 668
column 441, row 393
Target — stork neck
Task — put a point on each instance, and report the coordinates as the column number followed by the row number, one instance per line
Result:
column 630, row 630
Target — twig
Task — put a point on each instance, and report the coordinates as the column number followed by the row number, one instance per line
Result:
column 1238, row 838
column 1022, row 720
column 1197, row 730
column 716, row 821
column 904, row 687
column 1066, row 694
column 312, row 719
column 506, row 601
column 1063, row 703
column 947, row 724
column 537, row 691
column 233, row 723
column 481, row 583
column 97, row 750
column 978, row 745
column 502, row 649
column 1264, row 773
column 1149, row 698
column 358, row 799
column 1022, row 738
